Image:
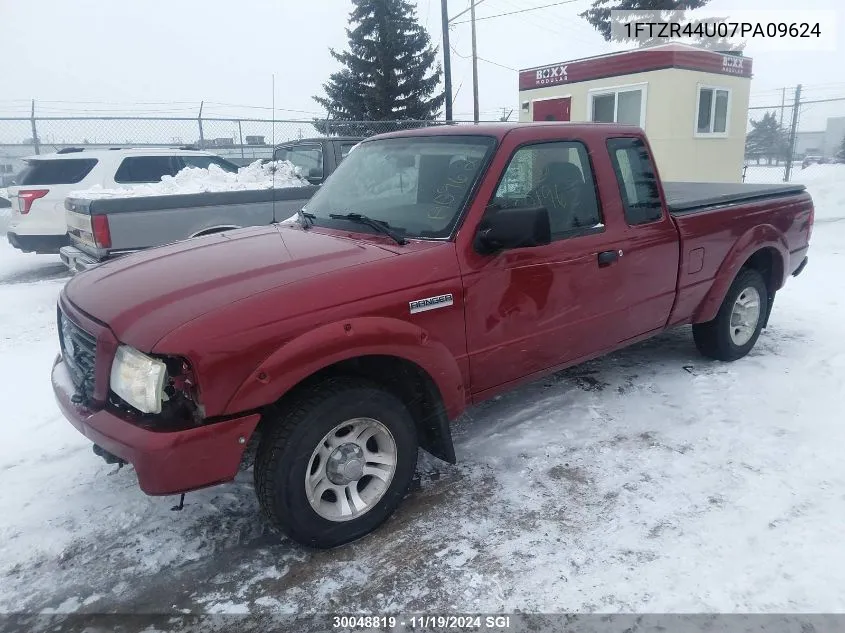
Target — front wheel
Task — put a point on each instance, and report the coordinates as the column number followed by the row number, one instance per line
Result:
column 336, row 463
column 738, row 324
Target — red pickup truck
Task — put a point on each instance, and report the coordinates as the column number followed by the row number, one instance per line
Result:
column 434, row 269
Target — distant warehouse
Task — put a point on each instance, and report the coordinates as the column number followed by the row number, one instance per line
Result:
column 692, row 102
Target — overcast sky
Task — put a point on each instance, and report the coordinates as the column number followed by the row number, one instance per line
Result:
column 165, row 56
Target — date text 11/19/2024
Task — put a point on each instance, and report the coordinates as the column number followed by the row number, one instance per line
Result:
column 469, row 622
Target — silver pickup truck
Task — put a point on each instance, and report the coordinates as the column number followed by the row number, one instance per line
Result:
column 100, row 229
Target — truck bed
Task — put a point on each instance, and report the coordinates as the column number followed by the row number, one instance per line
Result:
column 136, row 223
column 135, row 204
column 689, row 197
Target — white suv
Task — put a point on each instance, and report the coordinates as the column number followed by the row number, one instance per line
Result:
column 38, row 194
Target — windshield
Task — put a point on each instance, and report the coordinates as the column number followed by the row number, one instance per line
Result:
column 417, row 185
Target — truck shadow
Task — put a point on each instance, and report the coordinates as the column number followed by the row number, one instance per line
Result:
column 37, row 272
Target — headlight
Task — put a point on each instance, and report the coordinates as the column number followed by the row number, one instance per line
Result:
column 138, row 379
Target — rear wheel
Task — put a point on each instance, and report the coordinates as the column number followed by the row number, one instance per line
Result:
column 737, row 326
column 336, row 462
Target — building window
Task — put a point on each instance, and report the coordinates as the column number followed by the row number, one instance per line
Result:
column 625, row 105
column 712, row 112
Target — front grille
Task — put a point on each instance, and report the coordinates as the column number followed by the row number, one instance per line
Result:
column 79, row 349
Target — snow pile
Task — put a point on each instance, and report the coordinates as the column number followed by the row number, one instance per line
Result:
column 257, row 175
column 826, row 183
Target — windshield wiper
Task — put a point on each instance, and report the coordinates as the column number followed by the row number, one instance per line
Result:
column 305, row 218
column 379, row 225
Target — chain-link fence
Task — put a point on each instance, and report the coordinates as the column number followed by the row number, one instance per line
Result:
column 800, row 139
column 240, row 140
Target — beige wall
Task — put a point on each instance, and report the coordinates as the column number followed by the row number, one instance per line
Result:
column 670, row 109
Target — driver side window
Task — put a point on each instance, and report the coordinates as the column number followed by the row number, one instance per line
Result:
column 556, row 176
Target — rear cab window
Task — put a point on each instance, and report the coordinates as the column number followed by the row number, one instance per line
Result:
column 308, row 157
column 135, row 169
column 637, row 179
column 345, row 148
column 64, row 171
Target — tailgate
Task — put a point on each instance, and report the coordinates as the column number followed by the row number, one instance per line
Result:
column 79, row 226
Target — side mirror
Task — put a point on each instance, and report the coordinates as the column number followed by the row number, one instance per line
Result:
column 315, row 175
column 513, row 228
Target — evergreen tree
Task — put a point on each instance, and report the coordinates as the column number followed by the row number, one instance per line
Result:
column 390, row 71
column 767, row 139
column 598, row 15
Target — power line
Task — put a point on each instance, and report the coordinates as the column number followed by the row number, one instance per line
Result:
column 252, row 107
column 569, row 22
column 516, row 70
column 777, row 107
column 466, row 11
column 569, row 30
column 41, row 105
column 37, row 101
column 499, row 15
column 489, row 61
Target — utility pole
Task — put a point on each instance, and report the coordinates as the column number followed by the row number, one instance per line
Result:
column 36, row 143
column 782, row 104
column 793, row 130
column 199, row 123
column 447, row 58
column 474, row 65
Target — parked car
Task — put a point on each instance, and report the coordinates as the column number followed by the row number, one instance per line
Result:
column 38, row 222
column 106, row 228
column 332, row 348
column 813, row 160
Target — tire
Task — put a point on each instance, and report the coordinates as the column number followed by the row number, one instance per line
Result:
column 731, row 335
column 304, row 447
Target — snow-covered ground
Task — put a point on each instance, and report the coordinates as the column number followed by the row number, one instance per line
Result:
column 257, row 175
column 652, row 480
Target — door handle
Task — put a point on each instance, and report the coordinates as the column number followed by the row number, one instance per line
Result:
column 606, row 258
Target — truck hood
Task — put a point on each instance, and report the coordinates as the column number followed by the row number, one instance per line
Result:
column 143, row 296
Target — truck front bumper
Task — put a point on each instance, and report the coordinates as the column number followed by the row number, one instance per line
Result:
column 166, row 462
column 76, row 260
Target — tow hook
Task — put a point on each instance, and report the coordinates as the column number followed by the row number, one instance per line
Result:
column 108, row 457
